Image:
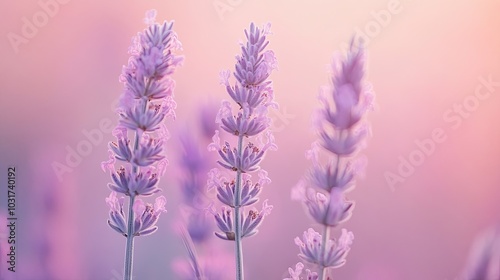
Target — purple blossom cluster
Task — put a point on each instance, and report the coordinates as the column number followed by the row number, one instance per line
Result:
column 253, row 96
column 342, row 134
column 144, row 105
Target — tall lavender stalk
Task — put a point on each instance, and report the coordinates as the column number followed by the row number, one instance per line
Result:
column 145, row 103
column 342, row 130
column 253, row 96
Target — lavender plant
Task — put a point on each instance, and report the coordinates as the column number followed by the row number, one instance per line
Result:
column 253, row 96
column 145, row 103
column 342, row 132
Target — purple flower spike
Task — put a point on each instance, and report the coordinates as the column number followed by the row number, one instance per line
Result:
column 342, row 134
column 145, row 103
column 253, row 95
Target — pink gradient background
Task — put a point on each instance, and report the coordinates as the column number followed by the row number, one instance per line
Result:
column 427, row 58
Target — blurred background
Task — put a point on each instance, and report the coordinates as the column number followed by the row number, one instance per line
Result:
column 433, row 66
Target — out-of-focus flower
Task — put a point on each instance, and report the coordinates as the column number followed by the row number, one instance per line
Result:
column 328, row 210
column 296, row 274
column 484, row 258
column 342, row 134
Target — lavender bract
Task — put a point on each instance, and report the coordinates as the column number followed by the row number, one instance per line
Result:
column 253, row 96
column 145, row 103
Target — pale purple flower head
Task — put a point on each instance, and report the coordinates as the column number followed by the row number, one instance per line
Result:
column 147, row 100
column 152, row 59
column 345, row 104
column 253, row 96
column 342, row 133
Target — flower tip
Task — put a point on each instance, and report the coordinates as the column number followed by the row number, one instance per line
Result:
column 266, row 29
column 160, row 203
column 266, row 208
column 224, row 77
column 150, row 17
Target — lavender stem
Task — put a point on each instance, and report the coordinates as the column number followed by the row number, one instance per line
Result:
column 129, row 249
column 326, row 236
column 237, row 217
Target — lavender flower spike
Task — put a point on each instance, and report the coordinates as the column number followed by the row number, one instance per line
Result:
column 144, row 105
column 342, row 134
column 253, row 96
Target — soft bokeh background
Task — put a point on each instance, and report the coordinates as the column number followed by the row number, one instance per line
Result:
column 422, row 61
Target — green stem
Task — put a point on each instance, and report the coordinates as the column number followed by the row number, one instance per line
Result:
column 237, row 217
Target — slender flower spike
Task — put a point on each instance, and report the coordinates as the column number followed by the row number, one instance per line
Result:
column 253, row 96
column 145, row 103
column 342, row 133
